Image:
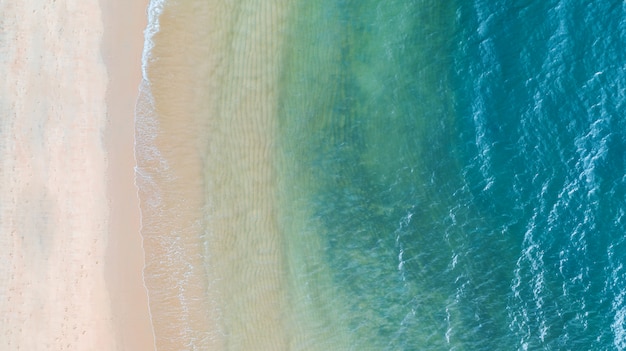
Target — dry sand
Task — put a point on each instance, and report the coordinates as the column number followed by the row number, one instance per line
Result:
column 54, row 205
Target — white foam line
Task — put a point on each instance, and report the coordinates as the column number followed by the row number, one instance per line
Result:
column 143, row 270
column 154, row 11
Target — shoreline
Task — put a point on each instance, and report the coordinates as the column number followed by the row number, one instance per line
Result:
column 121, row 49
column 208, row 168
column 174, row 273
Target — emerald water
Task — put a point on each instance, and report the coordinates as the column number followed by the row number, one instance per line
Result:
column 368, row 130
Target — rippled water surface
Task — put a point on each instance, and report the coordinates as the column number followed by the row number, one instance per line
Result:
column 446, row 175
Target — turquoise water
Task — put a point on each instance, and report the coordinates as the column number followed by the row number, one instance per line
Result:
column 451, row 175
column 463, row 166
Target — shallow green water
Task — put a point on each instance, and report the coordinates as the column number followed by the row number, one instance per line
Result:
column 368, row 131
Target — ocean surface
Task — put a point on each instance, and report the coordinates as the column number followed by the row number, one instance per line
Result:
column 399, row 175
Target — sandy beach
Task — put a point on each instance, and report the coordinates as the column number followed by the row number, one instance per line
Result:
column 69, row 247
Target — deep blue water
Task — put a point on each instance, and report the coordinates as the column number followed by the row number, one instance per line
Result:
column 462, row 166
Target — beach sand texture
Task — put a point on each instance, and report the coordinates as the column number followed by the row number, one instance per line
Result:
column 54, row 191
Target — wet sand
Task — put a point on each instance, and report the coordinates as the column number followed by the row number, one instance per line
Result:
column 122, row 44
